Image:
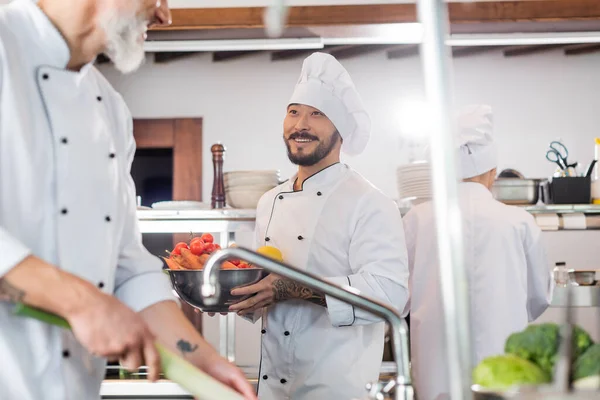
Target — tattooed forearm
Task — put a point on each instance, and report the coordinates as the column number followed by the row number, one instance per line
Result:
column 186, row 347
column 284, row 289
column 10, row 293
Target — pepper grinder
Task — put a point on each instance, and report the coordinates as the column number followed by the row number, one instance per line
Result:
column 218, row 191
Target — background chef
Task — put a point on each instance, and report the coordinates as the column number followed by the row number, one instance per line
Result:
column 68, row 229
column 330, row 221
column 508, row 273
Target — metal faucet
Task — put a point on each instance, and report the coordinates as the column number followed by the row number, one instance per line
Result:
column 401, row 386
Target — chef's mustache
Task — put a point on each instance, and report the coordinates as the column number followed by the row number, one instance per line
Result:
column 302, row 135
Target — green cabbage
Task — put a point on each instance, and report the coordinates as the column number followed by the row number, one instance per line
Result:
column 502, row 372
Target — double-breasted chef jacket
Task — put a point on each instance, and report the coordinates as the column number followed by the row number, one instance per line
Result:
column 340, row 227
column 66, row 196
column 508, row 274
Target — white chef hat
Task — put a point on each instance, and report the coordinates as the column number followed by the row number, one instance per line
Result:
column 326, row 85
column 477, row 153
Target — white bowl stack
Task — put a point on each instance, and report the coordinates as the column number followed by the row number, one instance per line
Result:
column 414, row 182
column 243, row 189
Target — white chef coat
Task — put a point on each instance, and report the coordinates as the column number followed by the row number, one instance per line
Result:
column 66, row 196
column 508, row 274
column 341, row 228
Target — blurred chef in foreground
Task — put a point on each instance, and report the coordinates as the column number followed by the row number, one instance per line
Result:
column 328, row 220
column 69, row 239
column 509, row 277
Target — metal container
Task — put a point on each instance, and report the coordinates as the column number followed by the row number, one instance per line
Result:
column 583, row 278
column 187, row 285
column 516, row 191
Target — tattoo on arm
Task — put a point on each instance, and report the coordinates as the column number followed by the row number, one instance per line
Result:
column 9, row 292
column 285, row 289
column 186, row 347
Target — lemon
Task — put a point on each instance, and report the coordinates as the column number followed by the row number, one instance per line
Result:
column 271, row 252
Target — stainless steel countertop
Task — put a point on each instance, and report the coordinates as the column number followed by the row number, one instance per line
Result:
column 583, row 296
column 165, row 389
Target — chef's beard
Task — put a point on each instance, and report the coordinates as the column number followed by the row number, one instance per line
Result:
column 323, row 149
column 123, row 44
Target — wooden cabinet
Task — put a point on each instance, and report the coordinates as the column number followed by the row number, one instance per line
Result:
column 184, row 137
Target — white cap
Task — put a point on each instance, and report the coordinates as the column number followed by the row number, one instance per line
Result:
column 477, row 152
column 326, row 85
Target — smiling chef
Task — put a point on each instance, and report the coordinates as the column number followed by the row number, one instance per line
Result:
column 330, row 221
column 508, row 272
column 69, row 238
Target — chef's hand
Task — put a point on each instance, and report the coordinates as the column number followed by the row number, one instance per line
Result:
column 271, row 290
column 108, row 328
column 266, row 292
column 230, row 375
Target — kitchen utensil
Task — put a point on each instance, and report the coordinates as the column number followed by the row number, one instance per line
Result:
column 516, row 191
column 588, row 173
column 583, row 278
column 218, row 190
column 175, row 368
column 558, row 154
column 188, row 284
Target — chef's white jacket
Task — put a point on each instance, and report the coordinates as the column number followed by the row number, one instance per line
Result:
column 341, row 228
column 66, row 196
column 508, row 274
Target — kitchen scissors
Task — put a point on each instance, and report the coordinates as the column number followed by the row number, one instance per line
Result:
column 558, row 154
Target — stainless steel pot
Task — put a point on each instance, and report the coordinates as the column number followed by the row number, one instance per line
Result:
column 516, row 191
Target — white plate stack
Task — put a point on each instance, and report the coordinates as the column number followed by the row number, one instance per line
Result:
column 414, row 182
column 243, row 189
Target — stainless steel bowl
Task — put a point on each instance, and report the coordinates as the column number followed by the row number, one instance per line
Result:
column 187, row 285
column 584, row 278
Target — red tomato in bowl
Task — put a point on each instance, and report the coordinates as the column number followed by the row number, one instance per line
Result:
column 178, row 247
column 197, row 238
column 210, row 248
column 207, row 238
column 197, row 247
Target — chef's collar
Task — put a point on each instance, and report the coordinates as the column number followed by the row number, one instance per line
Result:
column 478, row 189
column 324, row 178
column 53, row 48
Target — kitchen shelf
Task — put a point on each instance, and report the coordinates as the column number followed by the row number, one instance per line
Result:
column 183, row 221
column 564, row 209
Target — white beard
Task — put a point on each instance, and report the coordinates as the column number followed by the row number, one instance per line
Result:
column 123, row 45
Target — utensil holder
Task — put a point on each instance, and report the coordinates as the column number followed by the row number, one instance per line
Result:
column 570, row 190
